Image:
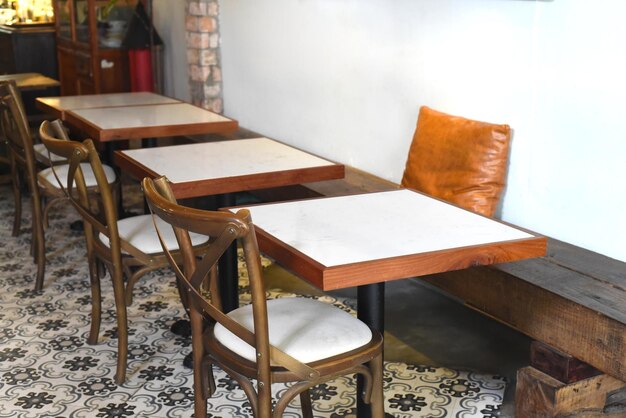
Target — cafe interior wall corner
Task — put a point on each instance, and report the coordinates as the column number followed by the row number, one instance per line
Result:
column 169, row 21
column 190, row 31
column 344, row 79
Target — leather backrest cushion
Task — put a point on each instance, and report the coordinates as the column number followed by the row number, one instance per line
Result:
column 460, row 160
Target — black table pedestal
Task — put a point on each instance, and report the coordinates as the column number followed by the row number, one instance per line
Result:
column 371, row 310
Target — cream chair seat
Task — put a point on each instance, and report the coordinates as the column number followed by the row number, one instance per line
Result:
column 139, row 232
column 48, row 178
column 307, row 330
column 41, row 154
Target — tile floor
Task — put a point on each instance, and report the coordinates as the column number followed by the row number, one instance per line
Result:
column 444, row 360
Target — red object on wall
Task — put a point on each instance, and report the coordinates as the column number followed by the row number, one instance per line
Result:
column 140, row 63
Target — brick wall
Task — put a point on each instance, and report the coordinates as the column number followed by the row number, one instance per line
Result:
column 203, row 53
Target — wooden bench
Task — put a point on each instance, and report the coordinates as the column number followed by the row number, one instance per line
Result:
column 573, row 301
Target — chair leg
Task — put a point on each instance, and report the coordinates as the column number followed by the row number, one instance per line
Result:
column 39, row 245
column 377, row 400
column 96, row 300
column 264, row 396
column 201, row 374
column 17, row 195
column 307, row 407
column 122, row 324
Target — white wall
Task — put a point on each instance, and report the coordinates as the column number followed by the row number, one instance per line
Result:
column 344, row 79
column 169, row 21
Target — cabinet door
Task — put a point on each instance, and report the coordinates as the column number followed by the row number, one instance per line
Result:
column 67, row 72
column 113, row 70
column 63, row 17
column 85, row 86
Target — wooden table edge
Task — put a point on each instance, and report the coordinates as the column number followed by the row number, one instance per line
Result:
column 132, row 166
column 51, row 110
column 399, row 267
column 183, row 190
column 118, row 134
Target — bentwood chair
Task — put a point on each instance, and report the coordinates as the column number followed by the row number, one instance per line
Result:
column 283, row 340
column 23, row 162
column 459, row 160
column 129, row 247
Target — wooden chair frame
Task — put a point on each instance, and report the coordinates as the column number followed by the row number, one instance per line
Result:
column 272, row 364
column 23, row 165
column 121, row 258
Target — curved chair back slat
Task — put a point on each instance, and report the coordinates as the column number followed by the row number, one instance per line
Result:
column 74, row 185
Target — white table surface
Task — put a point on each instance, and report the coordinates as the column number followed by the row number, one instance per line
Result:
column 125, row 117
column 351, row 229
column 223, row 159
column 89, row 101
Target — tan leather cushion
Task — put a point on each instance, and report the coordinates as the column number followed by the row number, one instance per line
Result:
column 459, row 160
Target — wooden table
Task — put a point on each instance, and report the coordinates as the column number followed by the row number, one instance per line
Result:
column 121, row 116
column 30, row 81
column 147, row 121
column 223, row 168
column 230, row 166
column 138, row 115
column 365, row 240
column 58, row 106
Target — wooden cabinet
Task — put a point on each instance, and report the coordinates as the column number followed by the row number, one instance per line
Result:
column 91, row 59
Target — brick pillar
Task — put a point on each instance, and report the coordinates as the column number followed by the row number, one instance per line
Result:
column 203, row 53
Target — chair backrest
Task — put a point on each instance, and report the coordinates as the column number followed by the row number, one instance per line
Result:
column 223, row 228
column 459, row 160
column 101, row 218
column 16, row 131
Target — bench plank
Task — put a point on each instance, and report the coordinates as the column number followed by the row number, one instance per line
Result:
column 576, row 287
column 543, row 315
column 599, row 267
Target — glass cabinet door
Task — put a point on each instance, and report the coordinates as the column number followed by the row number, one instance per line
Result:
column 113, row 18
column 81, row 20
column 63, row 19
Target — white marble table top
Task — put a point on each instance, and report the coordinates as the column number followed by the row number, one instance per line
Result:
column 353, row 229
column 125, row 117
column 89, row 101
column 223, row 159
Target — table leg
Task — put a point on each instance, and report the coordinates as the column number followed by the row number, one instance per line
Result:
column 109, row 151
column 227, row 267
column 370, row 310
